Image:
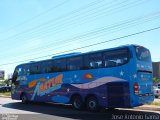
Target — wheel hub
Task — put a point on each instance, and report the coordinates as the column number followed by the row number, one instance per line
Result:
column 92, row 104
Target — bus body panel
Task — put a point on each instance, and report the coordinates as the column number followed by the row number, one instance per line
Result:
column 83, row 82
column 143, row 78
column 113, row 87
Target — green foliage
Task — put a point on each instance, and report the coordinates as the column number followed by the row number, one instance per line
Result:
column 6, row 82
column 156, row 80
column 5, row 94
column 156, row 103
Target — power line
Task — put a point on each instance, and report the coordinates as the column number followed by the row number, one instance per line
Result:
column 74, row 18
column 50, row 21
column 98, row 32
column 54, row 31
column 85, row 40
column 46, row 33
column 36, row 16
column 137, row 33
column 32, row 29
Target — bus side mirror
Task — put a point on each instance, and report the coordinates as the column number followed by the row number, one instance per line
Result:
column 10, row 79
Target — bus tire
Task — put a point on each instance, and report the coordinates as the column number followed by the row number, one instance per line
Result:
column 24, row 99
column 92, row 104
column 77, row 103
column 156, row 96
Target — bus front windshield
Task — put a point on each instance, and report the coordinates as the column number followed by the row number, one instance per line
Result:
column 143, row 54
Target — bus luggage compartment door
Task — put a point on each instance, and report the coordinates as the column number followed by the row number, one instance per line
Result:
column 118, row 95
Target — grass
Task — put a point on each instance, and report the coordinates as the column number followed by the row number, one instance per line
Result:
column 5, row 93
column 155, row 103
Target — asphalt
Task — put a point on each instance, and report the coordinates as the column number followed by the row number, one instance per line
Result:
column 143, row 107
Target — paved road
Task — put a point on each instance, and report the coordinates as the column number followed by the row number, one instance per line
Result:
column 15, row 109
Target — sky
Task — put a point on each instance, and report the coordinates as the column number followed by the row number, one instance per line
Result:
column 32, row 30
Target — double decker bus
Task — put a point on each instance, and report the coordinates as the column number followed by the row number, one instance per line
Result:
column 119, row 77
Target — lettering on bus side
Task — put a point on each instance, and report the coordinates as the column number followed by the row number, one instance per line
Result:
column 51, row 85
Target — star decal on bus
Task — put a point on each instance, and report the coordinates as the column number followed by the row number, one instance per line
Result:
column 68, row 90
column 142, row 76
column 75, row 76
column 121, row 73
column 134, row 76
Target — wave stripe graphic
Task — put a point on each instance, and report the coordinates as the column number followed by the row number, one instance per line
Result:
column 97, row 83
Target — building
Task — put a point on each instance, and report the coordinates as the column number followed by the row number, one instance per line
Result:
column 156, row 69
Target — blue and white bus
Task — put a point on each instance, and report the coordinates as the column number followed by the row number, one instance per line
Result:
column 119, row 77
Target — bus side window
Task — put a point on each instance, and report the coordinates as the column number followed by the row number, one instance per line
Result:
column 26, row 70
column 115, row 58
column 35, row 68
column 59, row 65
column 93, row 61
column 47, row 66
column 75, row 63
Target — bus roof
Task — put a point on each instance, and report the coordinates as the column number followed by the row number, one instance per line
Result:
column 77, row 54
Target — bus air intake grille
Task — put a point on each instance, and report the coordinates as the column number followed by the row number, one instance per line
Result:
column 118, row 94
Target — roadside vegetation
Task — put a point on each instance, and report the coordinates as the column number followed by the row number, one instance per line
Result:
column 5, row 88
column 155, row 103
column 5, row 94
column 156, row 81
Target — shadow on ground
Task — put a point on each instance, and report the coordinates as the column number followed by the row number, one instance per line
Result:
column 68, row 112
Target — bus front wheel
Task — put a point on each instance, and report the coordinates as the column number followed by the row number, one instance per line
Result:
column 24, row 99
column 77, row 103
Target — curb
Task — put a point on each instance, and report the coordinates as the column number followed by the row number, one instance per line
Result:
column 153, row 108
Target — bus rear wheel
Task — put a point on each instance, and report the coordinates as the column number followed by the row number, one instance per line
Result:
column 77, row 103
column 92, row 104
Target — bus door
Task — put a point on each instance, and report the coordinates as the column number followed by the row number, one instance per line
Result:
column 16, row 82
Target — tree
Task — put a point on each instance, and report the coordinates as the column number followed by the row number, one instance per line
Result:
column 6, row 82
